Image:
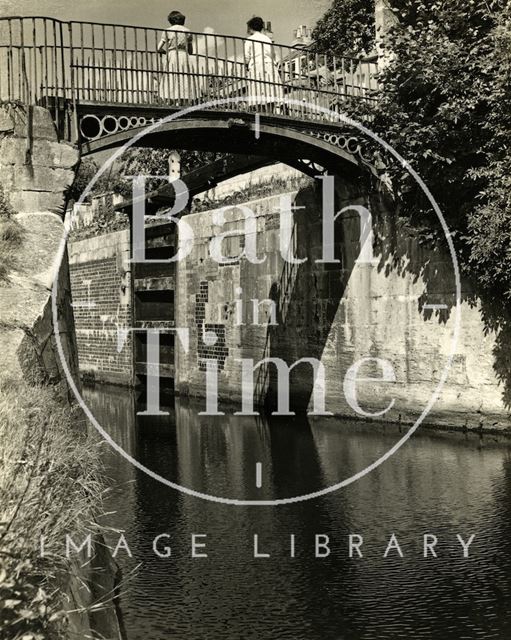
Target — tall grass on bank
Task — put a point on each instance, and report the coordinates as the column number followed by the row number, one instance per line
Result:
column 49, row 486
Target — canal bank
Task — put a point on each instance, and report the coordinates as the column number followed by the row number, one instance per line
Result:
column 49, row 476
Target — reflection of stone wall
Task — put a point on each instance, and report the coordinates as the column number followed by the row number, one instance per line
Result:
column 35, row 171
column 341, row 313
column 100, row 282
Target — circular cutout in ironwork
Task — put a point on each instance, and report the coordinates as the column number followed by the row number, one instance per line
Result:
column 110, row 124
column 90, row 127
column 124, row 123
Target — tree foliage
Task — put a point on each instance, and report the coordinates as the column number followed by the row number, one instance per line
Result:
column 155, row 162
column 116, row 179
column 134, row 161
column 446, row 107
column 346, row 28
column 108, row 181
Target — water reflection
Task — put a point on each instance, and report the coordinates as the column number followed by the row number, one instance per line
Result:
column 442, row 484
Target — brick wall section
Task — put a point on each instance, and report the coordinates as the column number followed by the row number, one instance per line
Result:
column 218, row 350
column 101, row 290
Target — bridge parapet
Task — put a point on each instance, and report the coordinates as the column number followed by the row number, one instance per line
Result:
column 65, row 65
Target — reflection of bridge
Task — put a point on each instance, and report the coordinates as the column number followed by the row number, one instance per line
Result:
column 102, row 80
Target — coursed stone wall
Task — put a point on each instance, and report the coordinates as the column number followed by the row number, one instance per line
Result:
column 341, row 313
column 36, row 170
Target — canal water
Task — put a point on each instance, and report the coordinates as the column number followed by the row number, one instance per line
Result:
column 440, row 484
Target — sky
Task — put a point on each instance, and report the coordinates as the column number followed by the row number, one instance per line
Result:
column 224, row 16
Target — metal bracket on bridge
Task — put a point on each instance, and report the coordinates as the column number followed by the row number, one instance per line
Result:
column 238, row 122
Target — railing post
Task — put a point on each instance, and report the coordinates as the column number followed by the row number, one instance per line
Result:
column 103, row 74
column 147, row 74
column 33, row 49
column 24, row 93
column 64, row 81
column 75, row 134
column 10, row 88
column 55, row 75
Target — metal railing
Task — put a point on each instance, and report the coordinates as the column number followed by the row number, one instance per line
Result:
column 46, row 61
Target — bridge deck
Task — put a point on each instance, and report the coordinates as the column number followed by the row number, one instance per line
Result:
column 65, row 65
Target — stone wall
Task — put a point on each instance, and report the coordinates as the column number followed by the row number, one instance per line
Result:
column 337, row 313
column 340, row 313
column 246, row 181
column 101, row 289
column 35, row 172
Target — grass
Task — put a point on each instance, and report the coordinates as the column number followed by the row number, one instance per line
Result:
column 49, row 485
column 11, row 238
column 272, row 187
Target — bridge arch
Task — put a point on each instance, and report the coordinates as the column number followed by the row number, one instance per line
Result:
column 310, row 148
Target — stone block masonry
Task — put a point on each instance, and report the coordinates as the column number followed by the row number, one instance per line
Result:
column 340, row 313
column 337, row 313
column 101, row 289
column 35, row 173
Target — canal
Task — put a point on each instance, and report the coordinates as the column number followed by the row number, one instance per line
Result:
column 442, row 484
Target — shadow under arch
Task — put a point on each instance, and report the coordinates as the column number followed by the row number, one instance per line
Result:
column 327, row 148
column 308, row 295
column 282, row 140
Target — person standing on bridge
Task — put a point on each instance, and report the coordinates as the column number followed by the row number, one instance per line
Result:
column 178, row 82
column 265, row 84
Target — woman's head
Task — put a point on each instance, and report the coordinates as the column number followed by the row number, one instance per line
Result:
column 255, row 24
column 176, row 17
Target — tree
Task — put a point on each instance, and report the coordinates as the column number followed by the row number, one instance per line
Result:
column 445, row 105
column 135, row 161
column 144, row 161
column 109, row 181
column 347, row 28
column 489, row 222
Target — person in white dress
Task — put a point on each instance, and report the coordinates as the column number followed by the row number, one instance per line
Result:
column 178, row 83
column 265, row 84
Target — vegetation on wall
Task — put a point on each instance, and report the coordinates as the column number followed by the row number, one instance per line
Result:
column 264, row 189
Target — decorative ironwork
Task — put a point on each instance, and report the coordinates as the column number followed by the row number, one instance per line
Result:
column 309, row 167
column 92, row 126
column 358, row 146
